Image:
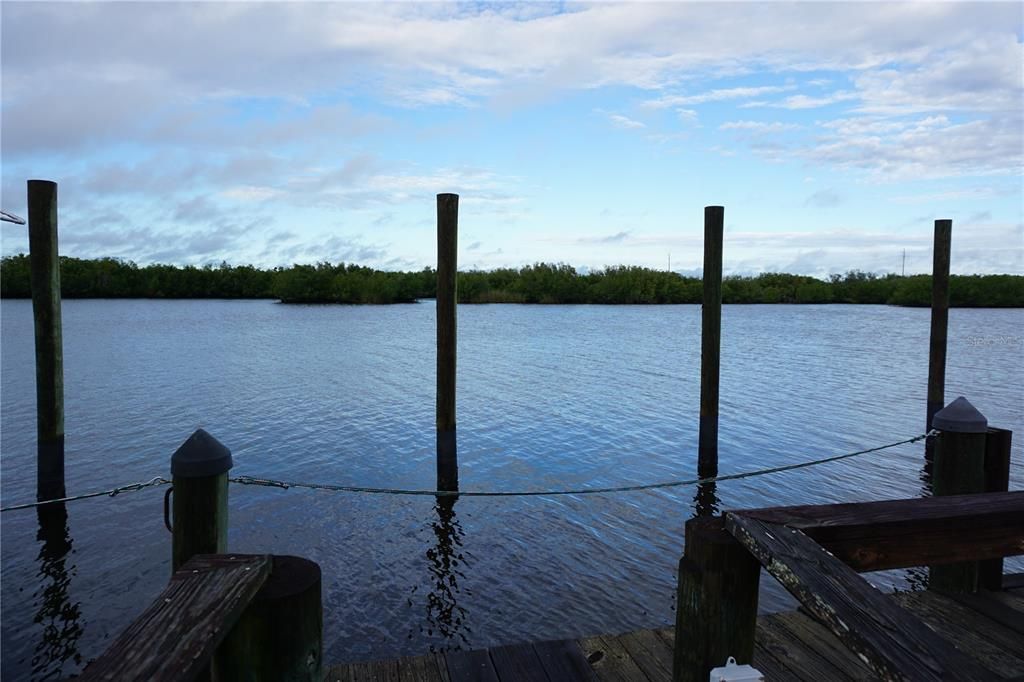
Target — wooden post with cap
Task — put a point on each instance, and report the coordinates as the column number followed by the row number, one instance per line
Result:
column 958, row 468
column 199, row 480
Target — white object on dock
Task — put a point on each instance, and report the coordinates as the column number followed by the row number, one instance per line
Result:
column 731, row 672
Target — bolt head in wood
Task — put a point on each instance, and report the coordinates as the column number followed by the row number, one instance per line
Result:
column 960, row 417
column 200, row 456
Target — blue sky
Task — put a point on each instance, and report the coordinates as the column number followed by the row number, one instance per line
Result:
column 590, row 134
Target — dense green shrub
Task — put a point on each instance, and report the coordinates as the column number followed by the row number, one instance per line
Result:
column 537, row 283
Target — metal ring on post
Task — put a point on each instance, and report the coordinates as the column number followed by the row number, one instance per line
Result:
column 167, row 509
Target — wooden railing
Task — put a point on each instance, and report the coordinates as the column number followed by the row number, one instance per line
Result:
column 240, row 616
column 816, row 553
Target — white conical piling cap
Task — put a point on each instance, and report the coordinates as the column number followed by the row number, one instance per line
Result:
column 960, row 417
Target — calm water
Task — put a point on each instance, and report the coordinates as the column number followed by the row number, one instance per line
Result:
column 549, row 397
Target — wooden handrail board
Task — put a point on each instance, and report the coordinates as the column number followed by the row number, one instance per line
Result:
column 892, row 513
column 894, row 643
column 175, row 637
column 872, row 536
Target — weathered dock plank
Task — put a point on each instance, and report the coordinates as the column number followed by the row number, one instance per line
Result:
column 518, row 662
column 804, row 628
column 177, row 634
column 795, row 653
column 993, row 608
column 471, row 666
column 651, row 653
column 421, row 669
column 564, row 660
column 610, row 661
column 788, row 646
column 969, row 631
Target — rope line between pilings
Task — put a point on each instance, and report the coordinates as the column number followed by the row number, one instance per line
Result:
column 274, row 483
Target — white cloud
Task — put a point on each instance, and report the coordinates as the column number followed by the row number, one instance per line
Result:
column 715, row 96
column 625, row 122
column 807, row 102
column 759, row 126
column 932, row 147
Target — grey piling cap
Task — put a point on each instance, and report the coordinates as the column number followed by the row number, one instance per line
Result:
column 960, row 417
column 200, row 456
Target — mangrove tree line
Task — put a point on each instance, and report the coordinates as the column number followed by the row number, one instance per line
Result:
column 539, row 283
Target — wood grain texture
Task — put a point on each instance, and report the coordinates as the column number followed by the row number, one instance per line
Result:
column 789, row 646
column 564, row 660
column 895, row 644
column 610, row 661
column 470, row 666
column 280, row 634
column 517, row 662
column 176, row 636
column 997, row 647
column 716, row 601
column 419, row 669
column 998, row 444
column 44, row 266
column 710, row 342
column 200, row 517
column 802, row 627
column 939, row 319
column 795, row 653
column 376, row 671
column 991, row 607
column 871, row 536
column 651, row 654
column 958, row 467
column 447, row 293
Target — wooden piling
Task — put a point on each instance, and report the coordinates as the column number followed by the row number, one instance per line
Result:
column 997, row 480
column 44, row 263
column 940, row 318
column 447, row 291
column 199, row 477
column 710, row 341
column 958, row 469
column 716, row 606
column 280, row 634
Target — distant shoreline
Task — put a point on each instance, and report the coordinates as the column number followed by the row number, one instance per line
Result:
column 477, row 303
column 541, row 283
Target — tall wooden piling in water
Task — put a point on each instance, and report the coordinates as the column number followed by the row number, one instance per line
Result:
column 940, row 318
column 44, row 263
column 447, row 269
column 710, row 341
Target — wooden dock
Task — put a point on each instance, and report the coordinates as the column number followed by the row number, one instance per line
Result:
column 987, row 626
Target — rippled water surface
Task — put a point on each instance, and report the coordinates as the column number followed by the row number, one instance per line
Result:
column 549, row 397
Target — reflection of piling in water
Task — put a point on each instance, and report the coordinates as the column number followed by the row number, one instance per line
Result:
column 443, row 611
column 447, row 269
column 59, row 618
